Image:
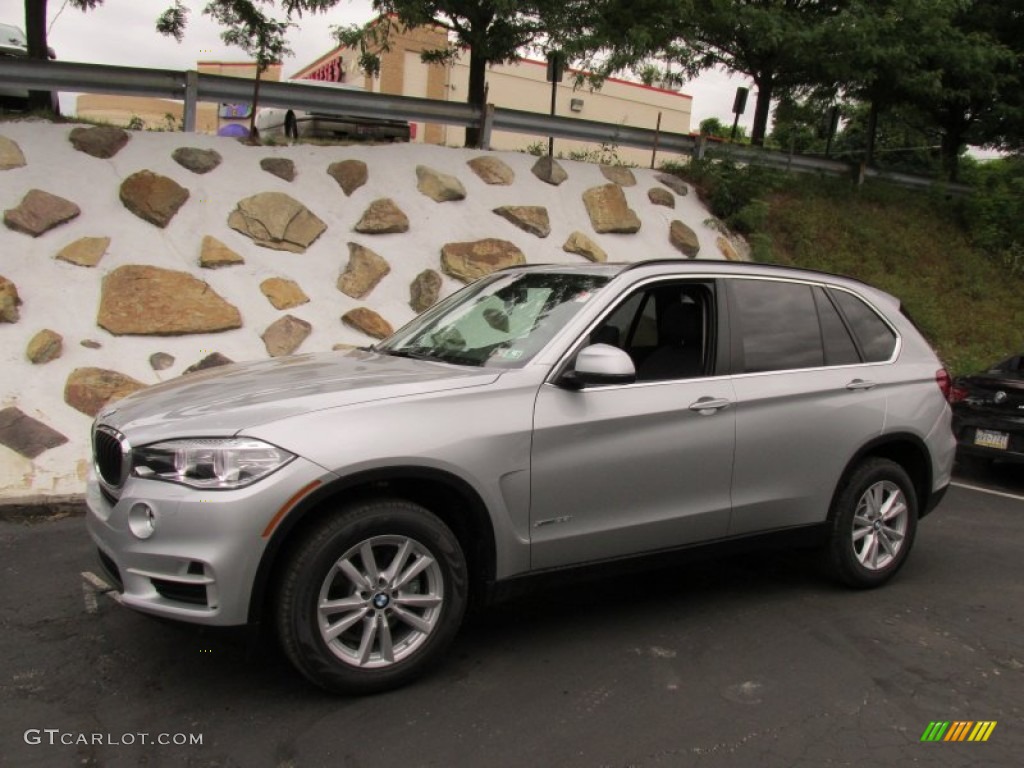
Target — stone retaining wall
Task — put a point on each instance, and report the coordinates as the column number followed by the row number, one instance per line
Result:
column 130, row 258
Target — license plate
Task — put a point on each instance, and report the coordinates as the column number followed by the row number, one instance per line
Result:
column 988, row 438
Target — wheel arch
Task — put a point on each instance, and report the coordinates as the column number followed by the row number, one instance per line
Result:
column 905, row 449
column 449, row 497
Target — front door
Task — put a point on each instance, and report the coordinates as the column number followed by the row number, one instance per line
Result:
column 624, row 469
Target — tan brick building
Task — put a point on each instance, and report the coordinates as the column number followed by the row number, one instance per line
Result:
column 521, row 86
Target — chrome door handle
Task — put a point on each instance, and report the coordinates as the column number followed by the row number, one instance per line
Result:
column 709, row 405
column 858, row 384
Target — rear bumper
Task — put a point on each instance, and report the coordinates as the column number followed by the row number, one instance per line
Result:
column 966, row 426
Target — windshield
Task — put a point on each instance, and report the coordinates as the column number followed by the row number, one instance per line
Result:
column 500, row 321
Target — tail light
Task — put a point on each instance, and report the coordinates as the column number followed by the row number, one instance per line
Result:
column 953, row 393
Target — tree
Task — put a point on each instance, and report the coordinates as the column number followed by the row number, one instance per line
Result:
column 492, row 31
column 780, row 44
column 247, row 27
column 35, row 32
column 712, row 126
column 980, row 77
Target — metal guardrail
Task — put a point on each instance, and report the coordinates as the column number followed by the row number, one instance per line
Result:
column 192, row 87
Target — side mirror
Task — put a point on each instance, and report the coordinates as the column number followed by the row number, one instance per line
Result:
column 600, row 364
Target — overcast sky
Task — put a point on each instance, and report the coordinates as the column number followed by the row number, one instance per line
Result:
column 123, row 32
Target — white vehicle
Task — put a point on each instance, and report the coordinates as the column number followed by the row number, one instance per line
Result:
column 295, row 123
column 13, row 43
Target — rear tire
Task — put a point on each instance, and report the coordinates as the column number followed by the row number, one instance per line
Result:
column 372, row 597
column 873, row 522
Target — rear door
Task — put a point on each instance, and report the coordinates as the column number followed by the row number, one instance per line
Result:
column 809, row 395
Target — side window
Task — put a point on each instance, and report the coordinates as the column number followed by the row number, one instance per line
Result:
column 839, row 346
column 776, row 325
column 665, row 329
column 876, row 338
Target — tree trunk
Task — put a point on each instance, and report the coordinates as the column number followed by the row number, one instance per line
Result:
column 869, row 149
column 254, row 135
column 477, row 93
column 35, row 31
column 762, row 110
column 950, row 151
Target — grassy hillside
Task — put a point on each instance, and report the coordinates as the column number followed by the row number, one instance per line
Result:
column 914, row 245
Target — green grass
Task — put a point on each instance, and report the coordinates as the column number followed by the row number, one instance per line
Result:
column 914, row 245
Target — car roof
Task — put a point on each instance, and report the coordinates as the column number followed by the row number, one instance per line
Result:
column 682, row 267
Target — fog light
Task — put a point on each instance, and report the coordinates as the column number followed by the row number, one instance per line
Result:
column 142, row 520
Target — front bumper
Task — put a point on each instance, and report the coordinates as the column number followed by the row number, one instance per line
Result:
column 200, row 563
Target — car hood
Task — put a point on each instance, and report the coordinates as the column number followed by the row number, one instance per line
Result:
column 233, row 398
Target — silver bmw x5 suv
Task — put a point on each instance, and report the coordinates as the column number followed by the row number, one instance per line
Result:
column 539, row 419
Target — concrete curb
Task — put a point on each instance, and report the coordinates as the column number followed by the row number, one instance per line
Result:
column 40, row 509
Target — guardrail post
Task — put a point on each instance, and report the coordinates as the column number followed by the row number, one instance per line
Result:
column 486, row 126
column 191, row 100
column 699, row 147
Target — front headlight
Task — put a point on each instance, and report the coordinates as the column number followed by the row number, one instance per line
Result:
column 210, row 464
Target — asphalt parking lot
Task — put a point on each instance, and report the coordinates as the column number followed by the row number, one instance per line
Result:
column 750, row 660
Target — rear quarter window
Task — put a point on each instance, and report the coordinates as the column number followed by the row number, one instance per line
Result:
column 876, row 339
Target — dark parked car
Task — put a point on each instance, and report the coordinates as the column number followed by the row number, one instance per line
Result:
column 988, row 412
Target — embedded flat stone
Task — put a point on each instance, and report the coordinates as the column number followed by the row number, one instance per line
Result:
column 281, row 167
column 369, row 322
column 212, row 360
column 619, row 174
column 383, row 217
column 283, row 293
column 84, row 252
column 684, row 239
column 674, row 183
column 285, row 335
column 659, row 196
column 727, row 250
column 45, row 346
column 161, row 361
column 609, row 212
column 150, row 301
column 529, row 218
column 152, row 197
column 11, row 155
column 39, row 212
column 102, row 141
column 350, row 175
column 197, row 160
column 492, row 170
column 439, row 187
column 472, row 260
column 213, row 254
column 90, row 389
column 275, row 220
column 26, row 436
column 9, row 301
column 364, row 270
column 582, row 245
column 549, row 171
column 424, row 290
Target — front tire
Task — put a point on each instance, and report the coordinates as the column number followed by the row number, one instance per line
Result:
column 372, row 597
column 873, row 523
